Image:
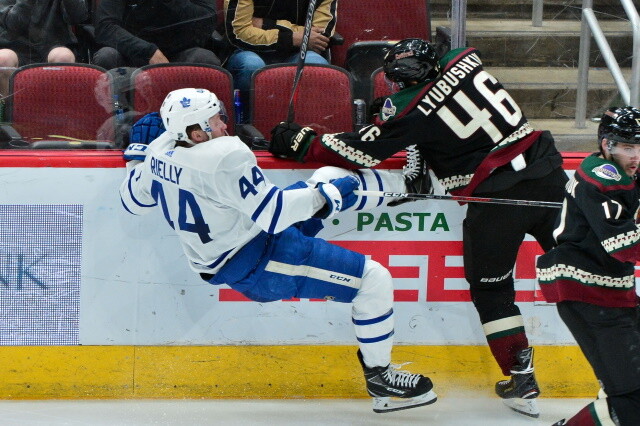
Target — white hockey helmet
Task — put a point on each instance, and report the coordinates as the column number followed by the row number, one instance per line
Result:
column 185, row 107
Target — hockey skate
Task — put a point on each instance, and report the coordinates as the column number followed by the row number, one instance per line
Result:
column 520, row 392
column 394, row 390
column 416, row 176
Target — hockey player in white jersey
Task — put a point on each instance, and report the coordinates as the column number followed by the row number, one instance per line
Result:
column 237, row 228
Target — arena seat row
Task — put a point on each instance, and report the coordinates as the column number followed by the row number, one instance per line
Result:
column 75, row 105
column 365, row 29
column 358, row 21
column 48, row 117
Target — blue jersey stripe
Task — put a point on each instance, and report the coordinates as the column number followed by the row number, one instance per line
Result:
column 133, row 198
column 373, row 320
column 276, row 213
column 263, row 204
column 125, row 206
column 376, row 339
column 380, row 188
column 220, row 258
column 364, row 188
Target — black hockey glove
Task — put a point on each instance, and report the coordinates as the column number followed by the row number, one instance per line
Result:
column 290, row 140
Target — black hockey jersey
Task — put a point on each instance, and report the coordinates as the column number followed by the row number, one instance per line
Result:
column 598, row 239
column 465, row 124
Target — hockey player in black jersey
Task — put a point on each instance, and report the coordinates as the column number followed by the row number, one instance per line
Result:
column 591, row 274
column 477, row 142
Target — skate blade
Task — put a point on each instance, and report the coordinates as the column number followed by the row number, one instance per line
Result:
column 528, row 407
column 388, row 404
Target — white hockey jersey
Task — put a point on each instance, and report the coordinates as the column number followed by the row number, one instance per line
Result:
column 214, row 196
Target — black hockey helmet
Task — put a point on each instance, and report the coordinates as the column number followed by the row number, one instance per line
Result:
column 620, row 124
column 411, row 59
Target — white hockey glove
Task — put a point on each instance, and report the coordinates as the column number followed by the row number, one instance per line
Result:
column 339, row 195
column 135, row 152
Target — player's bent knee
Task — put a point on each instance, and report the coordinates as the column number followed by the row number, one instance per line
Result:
column 376, row 291
column 326, row 174
column 491, row 301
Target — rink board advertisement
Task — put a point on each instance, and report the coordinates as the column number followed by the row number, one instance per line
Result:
column 87, row 272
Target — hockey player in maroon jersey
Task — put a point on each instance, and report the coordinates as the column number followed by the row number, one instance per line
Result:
column 591, row 274
column 477, row 142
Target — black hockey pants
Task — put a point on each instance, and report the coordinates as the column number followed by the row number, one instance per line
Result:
column 610, row 340
column 493, row 233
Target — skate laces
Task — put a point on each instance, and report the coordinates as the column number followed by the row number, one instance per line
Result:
column 401, row 378
column 413, row 168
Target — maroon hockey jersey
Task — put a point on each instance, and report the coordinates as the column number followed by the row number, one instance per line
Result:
column 598, row 239
column 465, row 124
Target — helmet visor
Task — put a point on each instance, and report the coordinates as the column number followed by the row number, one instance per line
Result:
column 393, row 86
column 223, row 112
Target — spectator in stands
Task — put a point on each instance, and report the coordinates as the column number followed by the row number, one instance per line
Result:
column 33, row 31
column 268, row 32
column 137, row 33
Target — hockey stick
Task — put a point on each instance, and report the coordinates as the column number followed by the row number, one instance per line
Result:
column 303, row 54
column 460, row 198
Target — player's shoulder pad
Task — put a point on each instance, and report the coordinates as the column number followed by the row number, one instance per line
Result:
column 161, row 144
column 221, row 151
column 603, row 173
column 222, row 145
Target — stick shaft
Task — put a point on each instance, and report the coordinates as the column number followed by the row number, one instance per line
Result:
column 303, row 53
column 460, row 198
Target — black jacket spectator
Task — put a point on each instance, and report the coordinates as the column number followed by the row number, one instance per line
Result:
column 32, row 28
column 138, row 29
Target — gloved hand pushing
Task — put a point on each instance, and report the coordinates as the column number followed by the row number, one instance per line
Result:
column 339, row 195
column 135, row 152
column 291, row 140
column 143, row 132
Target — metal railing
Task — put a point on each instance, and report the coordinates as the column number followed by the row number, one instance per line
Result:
column 629, row 92
column 536, row 13
column 459, row 19
column 458, row 23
